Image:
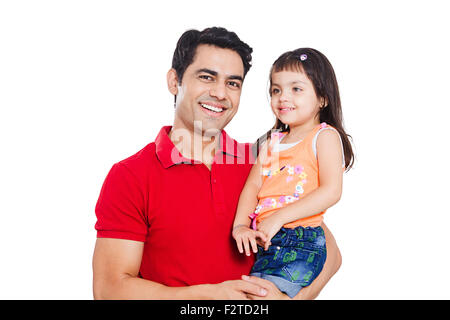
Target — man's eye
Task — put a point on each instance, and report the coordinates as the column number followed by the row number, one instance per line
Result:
column 275, row 91
column 234, row 84
column 297, row 89
column 205, row 77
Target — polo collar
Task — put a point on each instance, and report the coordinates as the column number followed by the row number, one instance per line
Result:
column 169, row 155
column 230, row 146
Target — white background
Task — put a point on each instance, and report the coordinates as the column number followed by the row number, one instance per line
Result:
column 82, row 86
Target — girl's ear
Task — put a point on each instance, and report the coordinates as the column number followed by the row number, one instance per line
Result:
column 172, row 81
column 323, row 102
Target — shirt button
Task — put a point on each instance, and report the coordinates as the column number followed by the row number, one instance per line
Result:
column 278, row 248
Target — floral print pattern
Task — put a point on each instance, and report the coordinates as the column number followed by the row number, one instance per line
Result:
column 298, row 172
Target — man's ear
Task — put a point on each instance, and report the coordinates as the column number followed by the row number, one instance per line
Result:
column 172, row 81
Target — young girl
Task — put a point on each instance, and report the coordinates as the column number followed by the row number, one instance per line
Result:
column 297, row 175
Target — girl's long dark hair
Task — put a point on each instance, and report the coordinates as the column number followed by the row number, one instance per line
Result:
column 319, row 70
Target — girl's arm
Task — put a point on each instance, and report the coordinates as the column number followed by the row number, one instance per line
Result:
column 248, row 198
column 246, row 206
column 329, row 157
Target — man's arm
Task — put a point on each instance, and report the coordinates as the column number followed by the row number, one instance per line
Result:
column 116, row 264
column 332, row 265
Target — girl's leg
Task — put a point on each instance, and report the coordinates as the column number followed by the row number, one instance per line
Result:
column 331, row 266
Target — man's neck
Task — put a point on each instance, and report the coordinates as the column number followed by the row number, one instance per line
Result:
column 194, row 144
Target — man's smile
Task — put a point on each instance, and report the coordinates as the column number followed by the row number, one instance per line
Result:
column 213, row 108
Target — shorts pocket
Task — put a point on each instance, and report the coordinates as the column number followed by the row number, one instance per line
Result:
column 306, row 267
column 269, row 259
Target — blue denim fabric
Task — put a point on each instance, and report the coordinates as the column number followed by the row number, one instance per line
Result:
column 294, row 259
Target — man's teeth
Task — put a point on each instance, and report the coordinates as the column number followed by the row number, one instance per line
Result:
column 215, row 109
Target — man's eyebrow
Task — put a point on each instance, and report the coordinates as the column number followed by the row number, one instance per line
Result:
column 215, row 73
column 205, row 70
column 236, row 78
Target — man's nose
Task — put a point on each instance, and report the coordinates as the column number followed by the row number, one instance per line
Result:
column 218, row 91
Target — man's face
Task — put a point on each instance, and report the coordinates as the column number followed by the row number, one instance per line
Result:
column 210, row 90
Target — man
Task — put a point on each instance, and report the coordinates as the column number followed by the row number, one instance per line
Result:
column 165, row 214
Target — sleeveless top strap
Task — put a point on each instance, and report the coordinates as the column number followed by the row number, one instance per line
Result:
column 324, row 126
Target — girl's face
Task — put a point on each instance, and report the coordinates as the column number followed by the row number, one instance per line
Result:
column 293, row 99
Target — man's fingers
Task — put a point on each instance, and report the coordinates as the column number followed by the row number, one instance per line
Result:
column 250, row 287
column 262, row 283
column 231, row 290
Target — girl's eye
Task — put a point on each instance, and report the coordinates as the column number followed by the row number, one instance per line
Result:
column 297, row 89
column 275, row 91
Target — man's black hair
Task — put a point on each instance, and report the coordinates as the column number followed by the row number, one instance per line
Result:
column 219, row 37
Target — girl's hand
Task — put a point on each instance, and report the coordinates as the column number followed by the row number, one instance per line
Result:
column 269, row 226
column 244, row 235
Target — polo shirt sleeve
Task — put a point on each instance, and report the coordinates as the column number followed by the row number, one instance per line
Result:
column 120, row 208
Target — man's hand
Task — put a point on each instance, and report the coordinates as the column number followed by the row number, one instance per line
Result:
column 238, row 290
column 246, row 237
column 269, row 227
column 273, row 293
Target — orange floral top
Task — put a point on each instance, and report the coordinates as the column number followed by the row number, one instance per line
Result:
column 288, row 175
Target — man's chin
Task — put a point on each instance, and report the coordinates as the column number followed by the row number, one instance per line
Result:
column 209, row 128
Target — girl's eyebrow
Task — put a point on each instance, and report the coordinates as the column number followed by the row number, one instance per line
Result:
column 298, row 81
column 292, row 82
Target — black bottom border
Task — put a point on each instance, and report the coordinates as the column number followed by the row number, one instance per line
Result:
column 261, row 310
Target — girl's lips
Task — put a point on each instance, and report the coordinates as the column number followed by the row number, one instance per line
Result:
column 285, row 109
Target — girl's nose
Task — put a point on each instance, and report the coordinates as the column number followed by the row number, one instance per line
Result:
column 284, row 97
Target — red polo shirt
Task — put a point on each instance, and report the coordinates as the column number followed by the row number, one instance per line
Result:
column 181, row 210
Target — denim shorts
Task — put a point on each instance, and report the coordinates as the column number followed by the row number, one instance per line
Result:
column 294, row 259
